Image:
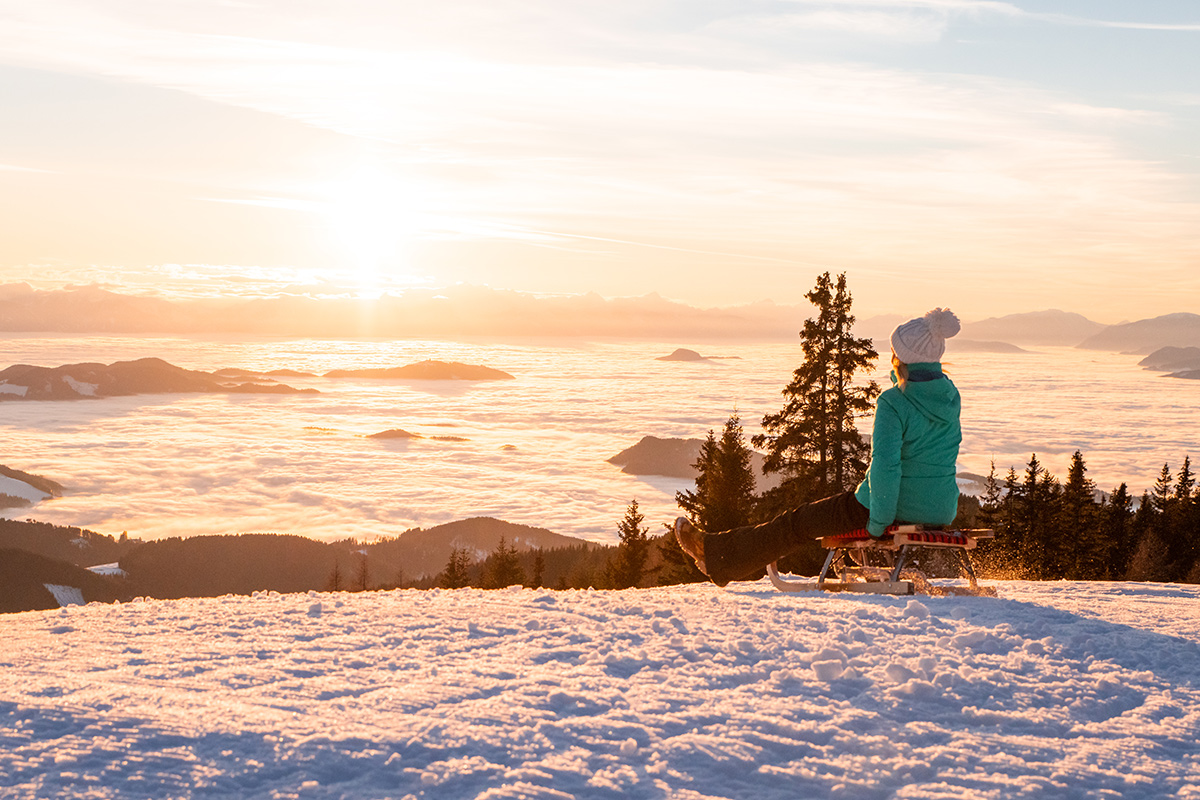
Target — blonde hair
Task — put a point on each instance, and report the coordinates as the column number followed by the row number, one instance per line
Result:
column 901, row 370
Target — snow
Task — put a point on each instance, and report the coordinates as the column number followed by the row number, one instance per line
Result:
column 17, row 488
column 79, row 387
column 12, row 388
column 1054, row 690
column 65, row 595
column 113, row 570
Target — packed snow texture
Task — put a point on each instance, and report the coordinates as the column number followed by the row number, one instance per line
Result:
column 1055, row 690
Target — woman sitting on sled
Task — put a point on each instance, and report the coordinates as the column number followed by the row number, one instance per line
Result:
column 914, row 447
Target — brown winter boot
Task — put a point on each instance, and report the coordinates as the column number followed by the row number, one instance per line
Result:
column 691, row 541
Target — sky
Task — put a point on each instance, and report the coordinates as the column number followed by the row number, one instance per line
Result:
column 994, row 157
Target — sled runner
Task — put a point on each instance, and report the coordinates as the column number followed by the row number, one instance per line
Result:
column 891, row 564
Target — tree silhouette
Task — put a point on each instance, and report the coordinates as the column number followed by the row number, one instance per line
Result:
column 625, row 568
column 335, row 582
column 813, row 441
column 361, row 574
column 724, row 495
column 502, row 567
column 456, row 575
column 1076, row 551
column 539, row 569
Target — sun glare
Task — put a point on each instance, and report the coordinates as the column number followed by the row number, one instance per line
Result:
column 373, row 218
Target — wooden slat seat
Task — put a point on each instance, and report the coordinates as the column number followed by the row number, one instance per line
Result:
column 849, row 558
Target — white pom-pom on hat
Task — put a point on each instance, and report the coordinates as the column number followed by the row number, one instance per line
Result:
column 923, row 339
column 942, row 322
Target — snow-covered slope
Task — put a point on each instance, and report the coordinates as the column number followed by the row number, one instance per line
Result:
column 1056, row 690
column 18, row 488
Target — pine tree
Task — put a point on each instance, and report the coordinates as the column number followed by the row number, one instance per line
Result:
column 813, row 441
column 1162, row 494
column 1173, row 522
column 361, row 574
column 627, row 565
column 335, row 582
column 1116, row 533
column 1037, row 508
column 456, row 575
column 502, row 567
column 724, row 496
column 1149, row 561
column 989, row 504
column 1078, row 550
column 1185, row 482
column 696, row 504
column 539, row 569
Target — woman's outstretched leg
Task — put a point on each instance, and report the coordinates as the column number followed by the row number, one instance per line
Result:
column 739, row 553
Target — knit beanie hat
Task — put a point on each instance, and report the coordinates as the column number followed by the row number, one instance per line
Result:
column 924, row 338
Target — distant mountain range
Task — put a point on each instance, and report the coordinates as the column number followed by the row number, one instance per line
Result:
column 446, row 312
column 1147, row 335
column 1061, row 328
column 1052, row 327
column 482, row 311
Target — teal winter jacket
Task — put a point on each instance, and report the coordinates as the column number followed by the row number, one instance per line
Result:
column 914, row 447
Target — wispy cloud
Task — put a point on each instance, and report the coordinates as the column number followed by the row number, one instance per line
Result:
column 634, row 126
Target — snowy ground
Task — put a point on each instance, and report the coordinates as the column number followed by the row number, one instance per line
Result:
column 1055, row 690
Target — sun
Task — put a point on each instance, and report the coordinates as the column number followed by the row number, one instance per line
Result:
column 373, row 218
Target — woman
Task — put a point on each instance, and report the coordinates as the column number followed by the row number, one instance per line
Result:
column 914, row 447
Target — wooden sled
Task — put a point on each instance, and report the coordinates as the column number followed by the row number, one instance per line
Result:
column 858, row 562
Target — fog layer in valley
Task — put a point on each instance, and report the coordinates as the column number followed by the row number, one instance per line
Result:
column 532, row 450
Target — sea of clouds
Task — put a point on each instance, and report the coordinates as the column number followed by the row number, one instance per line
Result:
column 532, row 450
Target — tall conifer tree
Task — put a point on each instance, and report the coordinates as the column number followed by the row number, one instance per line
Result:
column 1079, row 551
column 813, row 441
column 503, row 567
column 456, row 574
column 1116, row 533
column 724, row 494
column 627, row 565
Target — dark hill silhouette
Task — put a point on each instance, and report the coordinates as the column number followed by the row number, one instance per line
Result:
column 424, row 552
column 395, row 433
column 674, row 458
column 210, row 566
column 122, row 378
column 1170, row 359
column 78, row 546
column 23, row 576
column 430, row 370
column 683, row 354
column 652, row 455
column 1148, row 335
column 52, row 488
column 237, row 372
